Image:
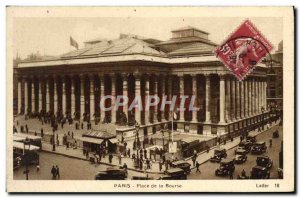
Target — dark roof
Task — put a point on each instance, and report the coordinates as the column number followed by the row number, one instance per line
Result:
column 194, row 49
column 186, row 40
column 115, row 47
column 99, row 134
column 189, row 28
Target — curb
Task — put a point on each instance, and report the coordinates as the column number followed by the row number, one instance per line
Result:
column 104, row 163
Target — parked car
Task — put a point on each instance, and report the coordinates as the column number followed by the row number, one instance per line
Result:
column 226, row 167
column 219, row 154
column 258, row 148
column 240, row 156
column 245, row 145
column 183, row 165
column 264, row 161
column 174, row 174
column 142, row 178
column 251, row 138
column 112, row 173
column 259, row 172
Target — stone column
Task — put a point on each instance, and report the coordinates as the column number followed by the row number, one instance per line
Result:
column 92, row 98
column 155, row 95
column 138, row 93
column 194, row 79
column 147, row 112
column 102, row 94
column 40, row 95
column 32, row 96
column 265, row 95
column 73, row 108
column 64, row 98
column 222, row 99
column 233, row 101
column 26, row 96
column 125, row 92
column 113, row 100
column 19, row 96
column 238, row 100
column 181, row 93
column 253, row 97
column 246, row 99
column 47, row 95
column 170, row 79
column 82, row 109
column 242, row 99
column 207, row 99
column 55, row 95
column 227, row 100
column 163, row 85
column 256, row 97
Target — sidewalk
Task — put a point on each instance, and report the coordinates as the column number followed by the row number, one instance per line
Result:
column 202, row 157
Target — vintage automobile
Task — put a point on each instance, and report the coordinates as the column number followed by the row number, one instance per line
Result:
column 112, row 173
column 258, row 148
column 226, row 167
column 251, row 138
column 183, row 165
column 259, row 172
column 174, row 174
column 240, row 156
column 264, row 161
column 219, row 154
column 276, row 134
column 142, row 178
column 245, row 145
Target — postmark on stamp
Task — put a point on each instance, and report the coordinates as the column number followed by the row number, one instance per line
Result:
column 243, row 50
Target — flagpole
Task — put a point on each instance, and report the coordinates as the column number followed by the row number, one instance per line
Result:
column 172, row 124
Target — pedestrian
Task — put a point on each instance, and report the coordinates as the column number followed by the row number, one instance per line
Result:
column 197, row 167
column 160, row 166
column 194, row 160
column 148, row 163
column 120, row 159
column 110, row 157
column 37, row 167
column 125, row 166
column 53, row 172
column 42, row 132
column 57, row 172
column 166, row 165
column 72, row 135
column 82, row 125
column 133, row 157
column 230, row 174
column 128, row 152
column 87, row 155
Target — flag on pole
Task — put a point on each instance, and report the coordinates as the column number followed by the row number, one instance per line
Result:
column 73, row 42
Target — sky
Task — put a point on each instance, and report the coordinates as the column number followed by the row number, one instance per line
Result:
column 51, row 36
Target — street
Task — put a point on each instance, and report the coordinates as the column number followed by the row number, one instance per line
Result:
column 75, row 169
column 70, row 169
column 208, row 169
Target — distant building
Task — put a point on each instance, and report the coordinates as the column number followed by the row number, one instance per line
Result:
column 73, row 83
column 275, row 80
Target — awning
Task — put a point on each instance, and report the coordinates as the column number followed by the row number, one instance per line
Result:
column 114, row 140
column 18, row 139
column 91, row 140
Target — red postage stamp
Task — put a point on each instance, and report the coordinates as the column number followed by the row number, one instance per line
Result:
column 243, row 50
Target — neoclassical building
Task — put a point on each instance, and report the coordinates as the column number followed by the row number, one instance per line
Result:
column 133, row 66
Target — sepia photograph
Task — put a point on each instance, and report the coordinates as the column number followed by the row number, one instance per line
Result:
column 125, row 93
